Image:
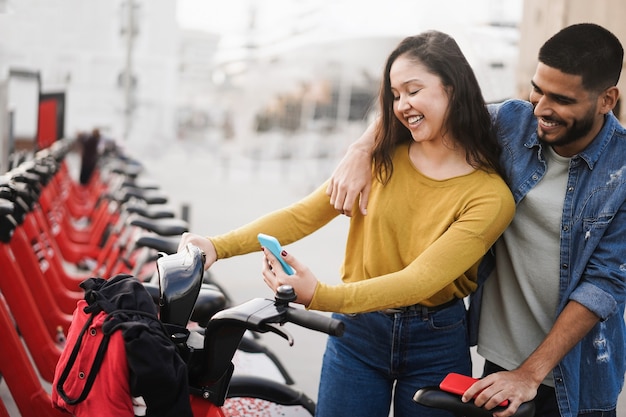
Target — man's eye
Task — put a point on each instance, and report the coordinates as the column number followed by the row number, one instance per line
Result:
column 535, row 89
column 562, row 101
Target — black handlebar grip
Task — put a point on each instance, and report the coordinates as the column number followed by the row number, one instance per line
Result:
column 315, row 321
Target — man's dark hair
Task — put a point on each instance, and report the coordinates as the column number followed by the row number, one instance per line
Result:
column 588, row 50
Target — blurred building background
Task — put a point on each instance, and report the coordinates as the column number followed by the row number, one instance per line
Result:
column 154, row 73
column 159, row 72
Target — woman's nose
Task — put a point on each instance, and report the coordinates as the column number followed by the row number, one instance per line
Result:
column 403, row 103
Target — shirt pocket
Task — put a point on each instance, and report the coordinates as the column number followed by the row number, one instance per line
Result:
column 595, row 226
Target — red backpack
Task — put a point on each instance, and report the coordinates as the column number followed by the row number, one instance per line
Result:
column 119, row 355
column 92, row 373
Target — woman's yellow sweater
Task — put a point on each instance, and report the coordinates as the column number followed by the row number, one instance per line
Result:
column 421, row 241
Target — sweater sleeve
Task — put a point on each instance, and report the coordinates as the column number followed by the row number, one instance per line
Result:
column 444, row 270
column 288, row 225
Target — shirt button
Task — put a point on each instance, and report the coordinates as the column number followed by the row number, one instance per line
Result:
column 81, row 375
column 565, row 228
column 92, row 332
column 565, row 266
column 570, row 189
column 535, row 177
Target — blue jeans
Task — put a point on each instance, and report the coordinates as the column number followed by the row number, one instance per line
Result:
column 382, row 357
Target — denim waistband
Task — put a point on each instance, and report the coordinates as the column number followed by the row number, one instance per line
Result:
column 424, row 310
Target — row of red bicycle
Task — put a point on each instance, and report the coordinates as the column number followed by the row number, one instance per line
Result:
column 56, row 233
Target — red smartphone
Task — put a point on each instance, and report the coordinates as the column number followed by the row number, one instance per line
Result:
column 458, row 384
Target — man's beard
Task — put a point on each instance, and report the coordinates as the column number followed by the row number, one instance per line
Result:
column 580, row 128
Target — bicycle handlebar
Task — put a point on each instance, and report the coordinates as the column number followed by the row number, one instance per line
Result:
column 315, row 321
column 226, row 328
column 259, row 314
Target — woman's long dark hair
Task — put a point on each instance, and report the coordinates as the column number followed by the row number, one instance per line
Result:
column 467, row 119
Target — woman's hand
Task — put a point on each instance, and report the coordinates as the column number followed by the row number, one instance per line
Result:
column 202, row 243
column 303, row 281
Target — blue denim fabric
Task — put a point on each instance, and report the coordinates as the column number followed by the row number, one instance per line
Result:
column 410, row 350
column 545, row 401
column 593, row 251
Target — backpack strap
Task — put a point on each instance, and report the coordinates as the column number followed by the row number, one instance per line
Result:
column 95, row 367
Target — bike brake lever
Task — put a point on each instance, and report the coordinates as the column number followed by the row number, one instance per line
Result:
column 282, row 333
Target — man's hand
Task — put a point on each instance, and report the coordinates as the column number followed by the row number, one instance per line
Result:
column 351, row 179
column 492, row 390
column 520, row 385
column 201, row 242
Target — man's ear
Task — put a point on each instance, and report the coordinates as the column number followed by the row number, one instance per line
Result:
column 608, row 99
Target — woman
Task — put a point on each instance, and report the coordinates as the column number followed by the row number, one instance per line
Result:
column 437, row 206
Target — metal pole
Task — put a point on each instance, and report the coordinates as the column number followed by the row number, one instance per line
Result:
column 128, row 71
column 4, row 127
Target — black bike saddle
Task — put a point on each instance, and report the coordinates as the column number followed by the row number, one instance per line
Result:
column 6, row 207
column 7, row 222
column 210, row 301
column 165, row 244
column 148, row 196
column 180, row 279
column 163, row 227
column 436, row 398
column 153, row 211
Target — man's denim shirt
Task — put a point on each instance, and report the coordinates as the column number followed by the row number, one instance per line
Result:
column 593, row 250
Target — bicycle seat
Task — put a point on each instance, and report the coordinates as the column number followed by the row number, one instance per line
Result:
column 144, row 186
column 128, row 169
column 149, row 196
column 150, row 211
column 163, row 227
column 33, row 179
column 16, row 190
column 180, row 278
column 6, row 207
column 435, row 398
column 7, row 222
column 43, row 169
column 22, row 201
column 210, row 301
column 165, row 244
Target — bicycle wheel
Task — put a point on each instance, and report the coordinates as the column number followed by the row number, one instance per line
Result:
column 260, row 397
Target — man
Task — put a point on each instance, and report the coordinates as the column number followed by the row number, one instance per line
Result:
column 551, row 312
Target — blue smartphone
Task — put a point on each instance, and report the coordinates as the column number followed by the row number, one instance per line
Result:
column 271, row 243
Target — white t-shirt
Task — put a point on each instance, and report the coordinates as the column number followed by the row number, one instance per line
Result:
column 521, row 295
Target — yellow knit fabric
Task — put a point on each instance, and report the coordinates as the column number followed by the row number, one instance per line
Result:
column 420, row 242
